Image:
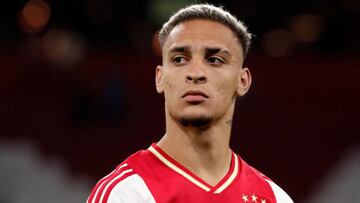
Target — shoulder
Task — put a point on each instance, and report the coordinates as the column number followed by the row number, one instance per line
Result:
column 280, row 195
column 123, row 184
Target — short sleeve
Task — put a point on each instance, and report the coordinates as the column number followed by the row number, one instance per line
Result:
column 131, row 190
column 280, row 195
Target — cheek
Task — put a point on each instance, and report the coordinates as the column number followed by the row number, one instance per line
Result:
column 170, row 89
column 227, row 89
column 168, row 84
column 225, row 95
column 167, row 89
column 170, row 79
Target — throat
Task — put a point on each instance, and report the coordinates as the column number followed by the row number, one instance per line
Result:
column 200, row 145
column 206, row 160
column 215, row 172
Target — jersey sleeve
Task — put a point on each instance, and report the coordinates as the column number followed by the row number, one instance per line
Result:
column 280, row 195
column 123, row 185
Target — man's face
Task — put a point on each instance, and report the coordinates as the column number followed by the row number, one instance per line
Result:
column 202, row 71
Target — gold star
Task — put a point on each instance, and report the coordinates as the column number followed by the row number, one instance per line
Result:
column 263, row 201
column 253, row 198
column 245, row 198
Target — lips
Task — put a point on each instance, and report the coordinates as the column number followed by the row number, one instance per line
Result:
column 195, row 96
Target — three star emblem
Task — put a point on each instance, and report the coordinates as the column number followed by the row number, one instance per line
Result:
column 252, row 198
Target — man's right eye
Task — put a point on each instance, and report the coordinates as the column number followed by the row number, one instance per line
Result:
column 179, row 60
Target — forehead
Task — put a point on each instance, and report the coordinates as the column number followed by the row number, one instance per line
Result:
column 200, row 33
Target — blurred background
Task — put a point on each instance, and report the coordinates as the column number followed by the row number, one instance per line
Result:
column 77, row 94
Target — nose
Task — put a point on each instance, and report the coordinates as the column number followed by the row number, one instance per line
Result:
column 196, row 75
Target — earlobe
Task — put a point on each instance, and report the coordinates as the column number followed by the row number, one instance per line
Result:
column 159, row 79
column 244, row 82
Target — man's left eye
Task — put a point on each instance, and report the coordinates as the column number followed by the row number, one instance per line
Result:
column 215, row 61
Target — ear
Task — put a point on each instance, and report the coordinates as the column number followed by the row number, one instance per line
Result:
column 159, row 79
column 244, row 82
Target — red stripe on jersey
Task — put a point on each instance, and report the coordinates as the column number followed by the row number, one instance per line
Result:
column 101, row 185
column 98, row 184
column 101, row 182
column 112, row 184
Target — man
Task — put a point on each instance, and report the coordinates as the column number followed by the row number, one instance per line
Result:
column 203, row 50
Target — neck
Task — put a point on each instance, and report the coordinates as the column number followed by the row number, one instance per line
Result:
column 204, row 151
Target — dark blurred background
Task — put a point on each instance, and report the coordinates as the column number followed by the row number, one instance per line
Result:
column 77, row 94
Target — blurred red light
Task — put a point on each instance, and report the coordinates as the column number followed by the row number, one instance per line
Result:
column 34, row 16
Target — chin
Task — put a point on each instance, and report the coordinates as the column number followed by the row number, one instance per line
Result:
column 196, row 121
column 195, row 117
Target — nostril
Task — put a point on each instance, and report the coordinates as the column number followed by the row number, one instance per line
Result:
column 196, row 79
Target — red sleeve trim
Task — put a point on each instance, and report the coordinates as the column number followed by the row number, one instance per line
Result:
column 103, row 188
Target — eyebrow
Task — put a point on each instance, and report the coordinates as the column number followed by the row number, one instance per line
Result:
column 180, row 49
column 211, row 51
column 208, row 51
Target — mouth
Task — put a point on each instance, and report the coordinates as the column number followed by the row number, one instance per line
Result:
column 195, row 96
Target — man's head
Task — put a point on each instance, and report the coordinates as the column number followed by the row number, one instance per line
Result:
column 207, row 12
column 202, row 69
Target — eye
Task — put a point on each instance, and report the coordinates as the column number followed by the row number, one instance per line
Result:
column 215, row 61
column 179, row 60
